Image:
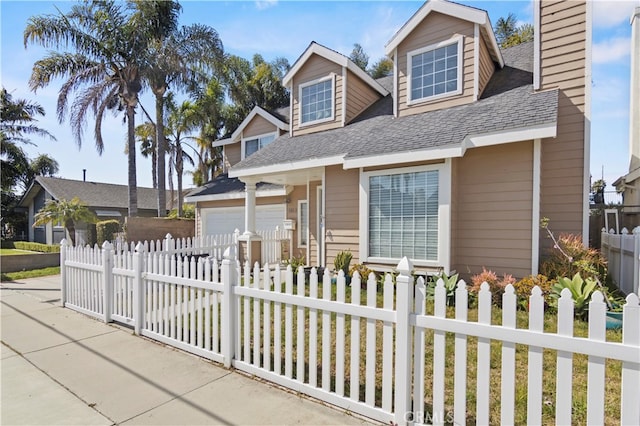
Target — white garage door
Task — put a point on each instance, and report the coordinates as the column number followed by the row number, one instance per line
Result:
column 225, row 220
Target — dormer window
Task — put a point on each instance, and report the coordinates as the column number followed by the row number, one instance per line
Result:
column 316, row 101
column 435, row 71
column 256, row 143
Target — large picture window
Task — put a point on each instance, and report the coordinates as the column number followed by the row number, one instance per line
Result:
column 316, row 101
column 435, row 71
column 403, row 215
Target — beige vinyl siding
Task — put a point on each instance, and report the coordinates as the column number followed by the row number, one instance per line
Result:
column 341, row 211
column 315, row 68
column 433, row 29
column 486, row 68
column 562, row 64
column 491, row 212
column 232, row 155
column 359, row 96
column 258, row 126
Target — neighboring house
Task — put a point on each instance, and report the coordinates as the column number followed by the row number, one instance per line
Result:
column 629, row 184
column 220, row 202
column 452, row 161
column 107, row 201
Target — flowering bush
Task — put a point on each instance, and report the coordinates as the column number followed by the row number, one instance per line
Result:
column 496, row 285
column 524, row 286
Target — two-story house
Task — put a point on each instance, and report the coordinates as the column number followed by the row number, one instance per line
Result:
column 452, row 161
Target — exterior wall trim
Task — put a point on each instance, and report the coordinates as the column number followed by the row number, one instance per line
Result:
column 262, row 113
column 331, row 55
column 296, row 165
column 535, row 211
column 344, row 96
column 536, row 44
column 476, row 62
column 587, row 124
column 459, row 11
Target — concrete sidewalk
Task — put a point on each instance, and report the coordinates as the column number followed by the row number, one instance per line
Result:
column 61, row 367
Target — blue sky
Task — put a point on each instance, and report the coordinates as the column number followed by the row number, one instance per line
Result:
column 285, row 28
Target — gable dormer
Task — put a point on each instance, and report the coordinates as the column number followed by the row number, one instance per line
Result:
column 257, row 130
column 328, row 90
column 443, row 56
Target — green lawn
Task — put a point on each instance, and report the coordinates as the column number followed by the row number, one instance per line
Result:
column 13, row 276
column 14, row 252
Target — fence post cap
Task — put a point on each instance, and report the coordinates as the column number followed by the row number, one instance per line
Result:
column 405, row 266
column 168, row 236
column 636, row 230
column 107, row 245
column 229, row 253
column 624, row 231
column 64, row 241
column 140, row 247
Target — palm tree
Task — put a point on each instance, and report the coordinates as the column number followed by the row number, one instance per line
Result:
column 178, row 58
column 65, row 212
column 17, row 118
column 101, row 68
column 146, row 135
column 182, row 120
column 505, row 28
column 209, row 106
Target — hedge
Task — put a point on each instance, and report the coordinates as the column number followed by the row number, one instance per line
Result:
column 43, row 248
column 106, row 230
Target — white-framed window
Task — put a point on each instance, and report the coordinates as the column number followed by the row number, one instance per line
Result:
column 406, row 213
column 256, row 143
column 303, row 223
column 317, row 101
column 435, row 71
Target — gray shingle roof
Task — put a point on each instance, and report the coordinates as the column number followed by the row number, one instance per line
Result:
column 95, row 194
column 509, row 102
column 223, row 184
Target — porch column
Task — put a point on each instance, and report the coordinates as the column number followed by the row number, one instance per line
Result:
column 249, row 243
column 250, row 207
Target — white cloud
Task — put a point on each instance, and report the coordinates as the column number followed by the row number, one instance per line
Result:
column 611, row 50
column 265, row 4
column 609, row 13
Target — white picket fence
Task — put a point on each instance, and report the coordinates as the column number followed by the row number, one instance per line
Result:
column 349, row 349
column 622, row 252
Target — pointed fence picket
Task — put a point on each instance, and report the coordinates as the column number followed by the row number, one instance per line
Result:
column 364, row 349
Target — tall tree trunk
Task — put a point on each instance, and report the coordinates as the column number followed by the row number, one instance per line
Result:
column 71, row 230
column 154, row 168
column 131, row 142
column 179, row 170
column 161, row 147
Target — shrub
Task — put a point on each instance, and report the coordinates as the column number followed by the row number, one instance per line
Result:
column 106, row 230
column 342, row 261
column 524, row 286
column 363, row 270
column 569, row 256
column 496, row 285
column 581, row 291
column 43, row 248
column 296, row 262
column 450, row 285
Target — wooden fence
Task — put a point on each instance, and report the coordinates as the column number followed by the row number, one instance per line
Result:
column 622, row 252
column 377, row 349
